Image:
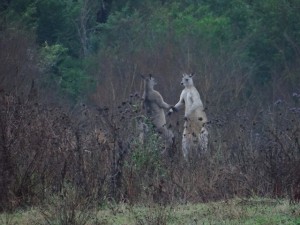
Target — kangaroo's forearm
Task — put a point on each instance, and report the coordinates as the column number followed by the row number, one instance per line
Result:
column 164, row 105
column 179, row 105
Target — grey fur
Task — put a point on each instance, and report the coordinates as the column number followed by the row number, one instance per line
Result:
column 154, row 105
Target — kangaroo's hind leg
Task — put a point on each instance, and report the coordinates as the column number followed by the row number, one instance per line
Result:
column 203, row 141
column 185, row 145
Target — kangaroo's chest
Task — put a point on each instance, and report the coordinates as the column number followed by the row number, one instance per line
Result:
column 152, row 107
column 188, row 99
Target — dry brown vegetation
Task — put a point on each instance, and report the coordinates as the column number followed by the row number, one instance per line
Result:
column 49, row 147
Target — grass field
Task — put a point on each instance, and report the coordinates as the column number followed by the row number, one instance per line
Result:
column 235, row 211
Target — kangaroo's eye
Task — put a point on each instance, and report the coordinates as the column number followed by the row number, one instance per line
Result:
column 186, row 79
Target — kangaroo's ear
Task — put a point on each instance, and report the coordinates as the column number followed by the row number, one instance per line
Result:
column 192, row 74
column 150, row 75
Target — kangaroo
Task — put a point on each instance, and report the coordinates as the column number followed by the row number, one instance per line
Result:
column 154, row 105
column 195, row 135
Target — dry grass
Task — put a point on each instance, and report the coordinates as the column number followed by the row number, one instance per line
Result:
column 234, row 211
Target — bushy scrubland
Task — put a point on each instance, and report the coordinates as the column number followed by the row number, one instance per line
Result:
column 69, row 108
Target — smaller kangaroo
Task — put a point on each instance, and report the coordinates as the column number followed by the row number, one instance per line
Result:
column 154, row 105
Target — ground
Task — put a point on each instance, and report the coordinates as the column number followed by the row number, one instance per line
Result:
column 234, row 211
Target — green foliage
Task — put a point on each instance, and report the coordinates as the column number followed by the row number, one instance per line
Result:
column 52, row 55
column 146, row 158
column 275, row 37
column 198, row 22
column 121, row 31
column 56, row 24
column 265, row 34
column 70, row 74
column 73, row 78
column 18, row 12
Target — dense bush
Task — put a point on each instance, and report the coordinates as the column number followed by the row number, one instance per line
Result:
column 70, row 99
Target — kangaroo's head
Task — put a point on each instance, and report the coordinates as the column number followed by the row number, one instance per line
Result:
column 187, row 80
column 149, row 81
